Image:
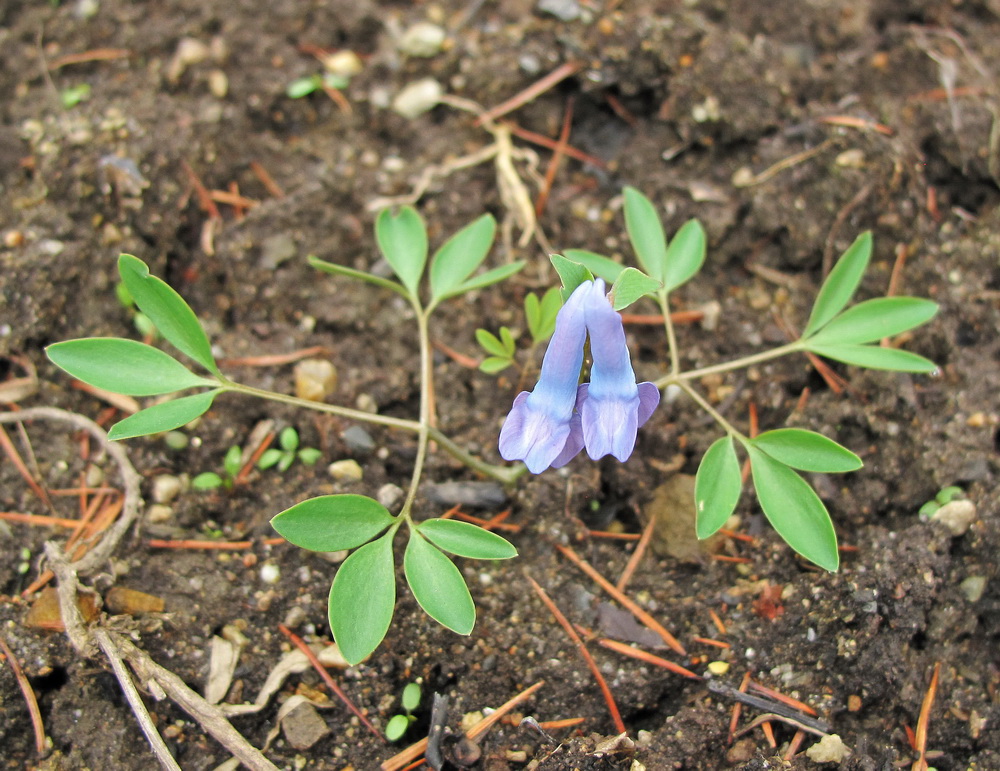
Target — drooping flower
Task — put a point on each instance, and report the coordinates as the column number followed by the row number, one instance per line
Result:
column 612, row 407
column 550, row 425
column 542, row 429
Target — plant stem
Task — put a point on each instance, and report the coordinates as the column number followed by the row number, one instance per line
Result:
column 703, row 403
column 678, row 378
column 668, row 325
column 426, row 384
column 504, row 474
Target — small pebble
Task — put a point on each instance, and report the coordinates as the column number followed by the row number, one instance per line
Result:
column 423, row 39
column 159, row 513
column 973, row 588
column 176, row 440
column 270, row 573
column 303, row 726
column 343, row 63
column 417, row 98
column 389, row 495
column 218, row 84
column 343, row 470
column 358, row 441
column 366, row 403
column 166, row 487
column 315, row 379
column 957, row 516
column 564, row 10
column 718, row 667
column 295, row 616
column 829, row 749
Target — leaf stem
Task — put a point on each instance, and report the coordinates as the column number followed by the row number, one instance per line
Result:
column 426, row 384
column 678, row 378
column 716, row 415
column 668, row 325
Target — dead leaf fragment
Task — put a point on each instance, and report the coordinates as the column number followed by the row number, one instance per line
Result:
column 131, row 602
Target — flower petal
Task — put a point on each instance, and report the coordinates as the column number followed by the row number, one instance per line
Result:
column 649, row 398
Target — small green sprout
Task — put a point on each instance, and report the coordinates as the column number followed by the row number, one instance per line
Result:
column 310, row 84
column 944, row 495
column 72, row 96
column 231, row 465
column 288, row 441
column 398, row 725
column 540, row 314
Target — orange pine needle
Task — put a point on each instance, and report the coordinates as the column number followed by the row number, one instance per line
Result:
column 330, row 682
column 718, row 622
column 727, row 558
column 794, row 744
column 459, row 358
column 544, row 141
column 29, row 696
column 15, row 457
column 536, row 89
column 96, row 55
column 496, row 523
column 778, row 696
column 923, row 721
column 614, row 536
column 627, row 602
column 710, row 641
column 266, row 180
column 557, row 155
column 637, row 555
column 41, row 520
column 734, row 720
column 244, row 473
column 582, row 648
column 649, row 658
column 569, row 722
column 768, row 733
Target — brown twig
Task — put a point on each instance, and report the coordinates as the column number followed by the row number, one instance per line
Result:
column 156, row 543
column 718, row 622
column 710, row 641
column 29, row 696
column 614, row 536
column 205, row 201
column 849, row 121
column 459, row 358
column 628, row 603
column 41, row 520
column 550, row 144
column 95, row 55
column 923, row 721
column 536, row 89
column 557, row 155
column 243, row 474
column 330, row 682
column 902, row 252
column 266, row 180
column 637, row 555
column 15, row 457
column 656, row 319
column 609, row 698
column 649, row 658
column 734, row 719
column 778, row 696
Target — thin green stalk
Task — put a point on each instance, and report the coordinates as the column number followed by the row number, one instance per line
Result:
column 703, row 403
column 668, row 325
column 746, row 361
column 426, row 384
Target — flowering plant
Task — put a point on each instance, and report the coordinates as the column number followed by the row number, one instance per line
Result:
column 546, row 428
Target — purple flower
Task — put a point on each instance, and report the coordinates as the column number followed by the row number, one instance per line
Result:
column 550, row 425
column 540, row 427
column 613, row 406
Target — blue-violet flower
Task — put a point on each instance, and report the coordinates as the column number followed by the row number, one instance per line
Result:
column 550, row 425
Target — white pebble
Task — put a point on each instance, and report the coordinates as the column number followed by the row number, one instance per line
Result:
column 270, row 573
column 417, row 98
column 423, row 39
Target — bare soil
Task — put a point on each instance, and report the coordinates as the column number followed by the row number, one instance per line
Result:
column 845, row 116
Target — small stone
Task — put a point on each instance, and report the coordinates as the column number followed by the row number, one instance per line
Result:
column 270, row 573
column 315, row 379
column 853, row 703
column 346, row 470
column 829, row 749
column 718, row 667
column 277, row 249
column 973, row 588
column 159, row 513
column 423, row 39
column 366, row 403
column 417, row 98
column 295, row 616
column 176, row 440
column 957, row 516
column 342, row 63
column 218, row 84
column 358, row 440
column 166, row 487
column 333, row 557
column 564, row 10
column 389, row 495
column 851, row 159
column 94, row 476
column 189, row 51
column 475, row 495
column 303, row 726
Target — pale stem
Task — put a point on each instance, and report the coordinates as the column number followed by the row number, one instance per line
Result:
column 426, row 383
column 677, row 378
column 668, row 325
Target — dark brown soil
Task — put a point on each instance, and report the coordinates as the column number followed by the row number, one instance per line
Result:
column 681, row 100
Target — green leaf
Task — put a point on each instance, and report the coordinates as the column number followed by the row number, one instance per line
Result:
column 495, row 364
column 550, row 306
column 402, row 238
column 717, row 486
column 532, row 313
column 490, row 277
column 875, row 357
column 332, row 522
column 233, row 461
column 490, row 343
column 301, row 87
column 396, row 727
column 362, row 599
column 841, row 284
column 411, row 696
column 507, row 339
column 807, row 451
column 646, row 233
column 340, row 270
column 269, row 458
column 572, row 274
column 598, row 264
column 288, row 439
column 466, row 540
column 124, row 366
column 685, row 255
column 460, row 255
column 438, row 585
column 794, row 510
column 164, row 417
column 167, row 310
column 630, row 286
column 208, row 480
column 948, row 494
column 310, row 455
column 285, row 461
column 876, row 319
